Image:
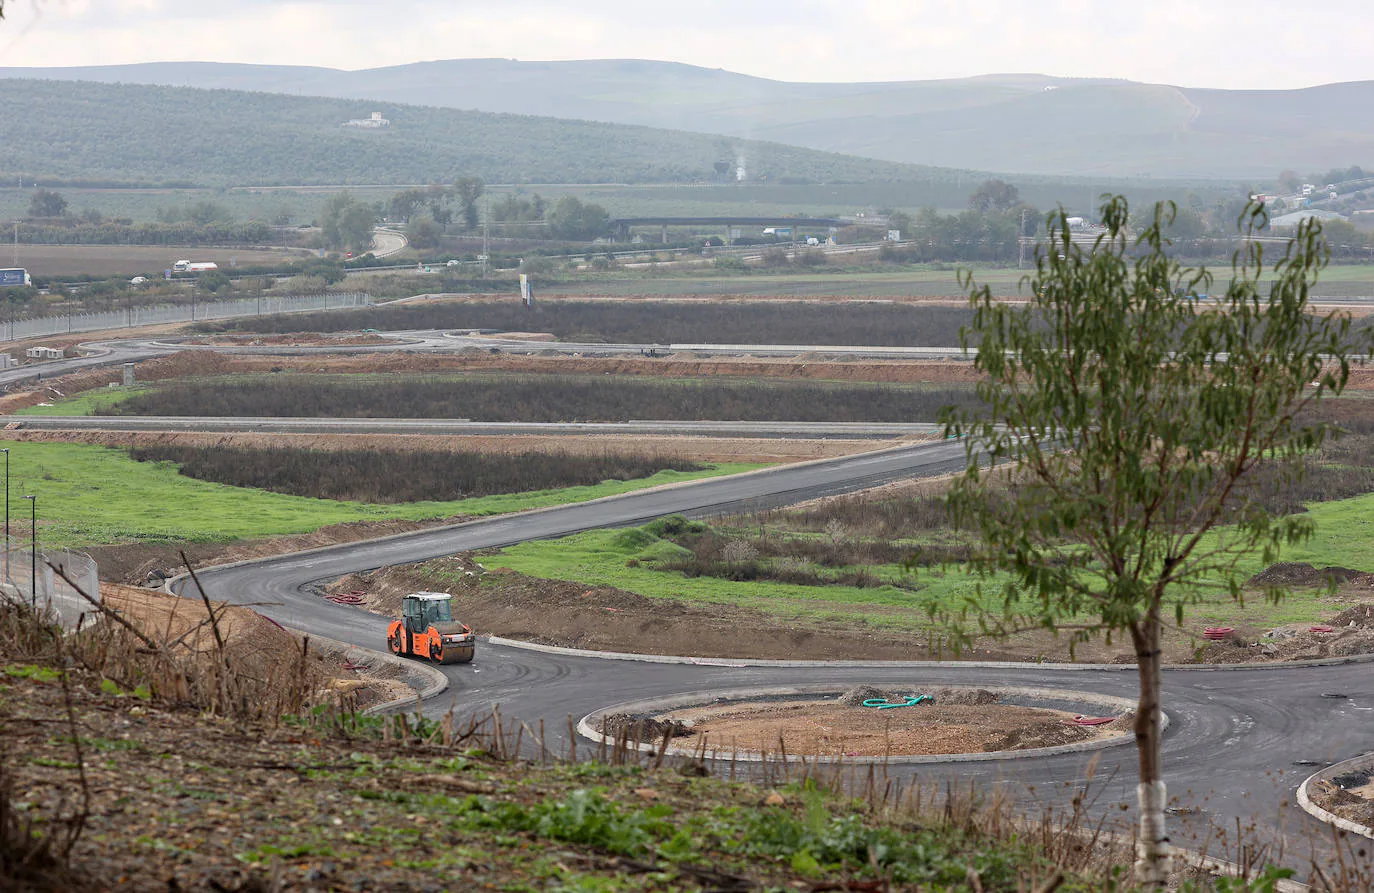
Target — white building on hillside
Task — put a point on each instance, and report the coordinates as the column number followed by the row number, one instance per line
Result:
column 376, row 122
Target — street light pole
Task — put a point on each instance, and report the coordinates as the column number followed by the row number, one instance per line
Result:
column 33, row 553
column 7, row 513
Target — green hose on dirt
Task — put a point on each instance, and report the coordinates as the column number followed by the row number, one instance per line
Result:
column 885, row 704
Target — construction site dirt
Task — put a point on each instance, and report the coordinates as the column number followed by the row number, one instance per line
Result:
column 829, row 728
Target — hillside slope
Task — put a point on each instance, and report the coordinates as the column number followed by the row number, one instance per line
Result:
column 1020, row 123
column 122, row 133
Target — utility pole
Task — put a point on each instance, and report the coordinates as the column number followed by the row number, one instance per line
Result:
column 7, row 513
column 33, row 551
column 486, row 231
column 1021, row 243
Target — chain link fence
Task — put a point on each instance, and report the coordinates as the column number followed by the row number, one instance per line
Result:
column 19, row 329
column 38, row 584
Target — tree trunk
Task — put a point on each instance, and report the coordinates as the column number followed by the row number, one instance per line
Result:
column 1152, row 849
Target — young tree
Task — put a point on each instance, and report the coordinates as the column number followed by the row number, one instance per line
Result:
column 347, row 223
column 1134, row 416
column 47, row 203
column 423, row 232
column 994, row 195
column 469, row 190
column 437, row 197
column 576, row 221
column 405, row 203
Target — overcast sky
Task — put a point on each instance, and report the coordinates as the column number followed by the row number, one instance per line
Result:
column 1196, row 43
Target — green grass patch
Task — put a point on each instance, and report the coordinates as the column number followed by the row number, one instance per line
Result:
column 621, row 558
column 87, row 402
column 624, row 559
column 90, row 495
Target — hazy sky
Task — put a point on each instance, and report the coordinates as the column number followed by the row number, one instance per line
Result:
column 1199, row 43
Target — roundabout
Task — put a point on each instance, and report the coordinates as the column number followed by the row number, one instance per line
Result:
column 1240, row 741
column 863, row 724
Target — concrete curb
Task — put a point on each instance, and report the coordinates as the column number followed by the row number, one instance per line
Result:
column 586, row 727
column 743, row 662
column 1364, row 761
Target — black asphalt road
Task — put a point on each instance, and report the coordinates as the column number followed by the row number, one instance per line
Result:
column 1239, row 744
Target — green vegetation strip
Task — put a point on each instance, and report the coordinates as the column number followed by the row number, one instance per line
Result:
column 86, row 403
column 90, row 495
column 627, row 559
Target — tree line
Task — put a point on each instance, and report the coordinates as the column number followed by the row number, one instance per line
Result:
column 432, row 212
column 77, row 231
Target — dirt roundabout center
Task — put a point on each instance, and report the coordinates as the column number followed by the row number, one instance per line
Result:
column 905, row 723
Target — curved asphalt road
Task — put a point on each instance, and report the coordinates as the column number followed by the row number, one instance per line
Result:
column 1240, row 742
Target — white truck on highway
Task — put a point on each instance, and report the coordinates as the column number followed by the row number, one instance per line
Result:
column 186, row 266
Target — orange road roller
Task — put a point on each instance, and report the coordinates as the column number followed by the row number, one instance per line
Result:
column 427, row 630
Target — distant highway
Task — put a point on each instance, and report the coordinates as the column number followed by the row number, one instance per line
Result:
column 386, row 242
column 453, row 341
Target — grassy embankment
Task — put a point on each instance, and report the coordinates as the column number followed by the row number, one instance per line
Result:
column 627, row 560
column 91, row 495
column 170, row 795
column 86, row 403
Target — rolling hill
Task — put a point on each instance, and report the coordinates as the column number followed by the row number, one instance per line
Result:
column 96, row 133
column 1013, row 123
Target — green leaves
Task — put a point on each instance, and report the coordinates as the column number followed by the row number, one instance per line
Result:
column 1128, row 411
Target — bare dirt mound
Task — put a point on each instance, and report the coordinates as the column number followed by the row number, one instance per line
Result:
column 830, row 728
column 1301, row 574
column 1347, row 634
column 1357, row 616
column 251, row 643
column 641, row 727
column 967, row 697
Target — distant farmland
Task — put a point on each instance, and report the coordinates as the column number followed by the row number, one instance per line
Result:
column 547, row 398
column 780, row 322
column 133, row 260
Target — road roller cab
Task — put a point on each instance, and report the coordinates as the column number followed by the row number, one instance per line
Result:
column 427, row 629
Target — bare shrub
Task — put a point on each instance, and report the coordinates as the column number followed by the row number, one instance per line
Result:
column 771, row 322
column 544, row 398
column 393, row 476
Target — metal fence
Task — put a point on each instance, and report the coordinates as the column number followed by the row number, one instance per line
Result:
column 173, row 313
column 38, row 584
